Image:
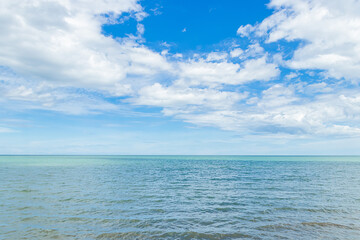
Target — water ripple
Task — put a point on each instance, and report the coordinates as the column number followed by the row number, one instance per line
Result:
column 179, row 197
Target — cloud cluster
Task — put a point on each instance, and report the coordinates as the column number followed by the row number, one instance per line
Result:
column 204, row 72
column 61, row 42
column 329, row 29
column 57, row 58
column 44, row 97
column 279, row 110
column 176, row 99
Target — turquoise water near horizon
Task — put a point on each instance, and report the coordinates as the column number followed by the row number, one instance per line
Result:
column 179, row 197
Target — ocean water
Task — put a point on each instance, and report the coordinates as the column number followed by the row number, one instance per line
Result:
column 179, row 197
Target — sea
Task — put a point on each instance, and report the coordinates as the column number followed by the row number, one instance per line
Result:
column 180, row 197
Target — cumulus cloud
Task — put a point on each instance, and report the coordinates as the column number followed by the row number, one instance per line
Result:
column 181, row 98
column 57, row 58
column 237, row 52
column 244, row 31
column 330, row 114
column 203, row 72
column 58, row 45
column 61, row 42
column 330, row 30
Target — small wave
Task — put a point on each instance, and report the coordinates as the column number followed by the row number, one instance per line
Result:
column 296, row 227
column 122, row 201
column 39, row 233
column 172, row 235
column 224, row 209
column 127, row 235
column 321, row 210
column 276, row 227
column 26, row 191
column 66, row 199
column 120, row 221
column 286, row 209
column 326, row 224
column 157, row 210
column 231, row 204
column 27, row 219
column 29, row 208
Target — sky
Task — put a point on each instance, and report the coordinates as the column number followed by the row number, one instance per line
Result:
column 180, row 77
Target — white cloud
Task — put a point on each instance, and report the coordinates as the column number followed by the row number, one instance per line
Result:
column 201, row 72
column 58, row 45
column 178, row 55
column 140, row 29
column 237, row 52
column 277, row 95
column 254, row 50
column 277, row 110
column 329, row 28
column 244, row 31
column 21, row 95
column 6, row 130
column 216, row 56
column 61, row 42
column 315, row 88
column 66, row 64
column 321, row 117
column 186, row 98
column 291, row 75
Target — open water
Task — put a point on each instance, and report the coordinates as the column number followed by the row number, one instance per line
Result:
column 179, row 197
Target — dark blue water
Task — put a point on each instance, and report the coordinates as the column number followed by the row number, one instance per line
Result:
column 179, row 197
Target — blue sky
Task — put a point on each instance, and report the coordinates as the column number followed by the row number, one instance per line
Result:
column 180, row 77
column 207, row 24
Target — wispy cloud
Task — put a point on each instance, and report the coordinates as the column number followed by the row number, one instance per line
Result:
column 6, row 130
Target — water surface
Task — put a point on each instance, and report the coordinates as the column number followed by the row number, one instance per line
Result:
column 179, row 197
